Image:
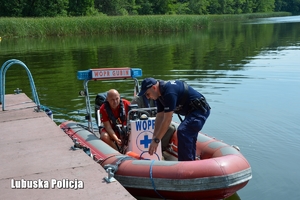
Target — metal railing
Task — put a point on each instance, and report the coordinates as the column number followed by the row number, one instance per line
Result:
column 4, row 68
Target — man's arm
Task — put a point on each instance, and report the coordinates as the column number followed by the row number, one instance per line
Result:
column 111, row 132
column 162, row 123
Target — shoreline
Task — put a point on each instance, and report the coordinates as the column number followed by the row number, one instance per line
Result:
column 101, row 25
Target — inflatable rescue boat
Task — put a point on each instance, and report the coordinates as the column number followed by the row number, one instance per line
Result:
column 219, row 171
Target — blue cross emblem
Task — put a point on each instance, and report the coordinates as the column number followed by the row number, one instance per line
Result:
column 146, row 141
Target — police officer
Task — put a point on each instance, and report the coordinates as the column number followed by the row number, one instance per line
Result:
column 143, row 102
column 177, row 97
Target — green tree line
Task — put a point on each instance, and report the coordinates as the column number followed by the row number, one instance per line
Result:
column 54, row 8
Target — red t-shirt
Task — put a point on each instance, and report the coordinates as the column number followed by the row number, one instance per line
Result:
column 116, row 112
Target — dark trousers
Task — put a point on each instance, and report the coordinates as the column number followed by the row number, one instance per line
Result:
column 187, row 133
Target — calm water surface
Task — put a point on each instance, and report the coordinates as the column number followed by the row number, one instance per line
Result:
column 249, row 72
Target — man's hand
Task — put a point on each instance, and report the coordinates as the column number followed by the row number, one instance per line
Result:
column 118, row 141
column 153, row 147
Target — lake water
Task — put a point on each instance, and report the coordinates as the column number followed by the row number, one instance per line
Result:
column 249, row 73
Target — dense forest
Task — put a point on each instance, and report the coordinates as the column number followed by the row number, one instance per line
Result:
column 54, row 8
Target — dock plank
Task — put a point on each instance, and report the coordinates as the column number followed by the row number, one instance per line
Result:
column 34, row 148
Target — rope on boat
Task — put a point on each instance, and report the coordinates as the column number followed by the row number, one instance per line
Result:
column 116, row 166
column 152, row 181
column 101, row 161
column 146, row 158
column 83, row 126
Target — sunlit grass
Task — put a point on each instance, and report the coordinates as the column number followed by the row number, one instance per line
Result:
column 61, row 26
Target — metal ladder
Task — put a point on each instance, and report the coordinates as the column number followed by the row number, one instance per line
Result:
column 4, row 68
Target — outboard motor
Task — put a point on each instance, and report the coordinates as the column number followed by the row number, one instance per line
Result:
column 133, row 115
column 100, row 99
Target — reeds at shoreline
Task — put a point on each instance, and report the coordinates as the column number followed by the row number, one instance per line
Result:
column 64, row 26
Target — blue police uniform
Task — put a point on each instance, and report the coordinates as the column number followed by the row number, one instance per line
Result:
column 174, row 97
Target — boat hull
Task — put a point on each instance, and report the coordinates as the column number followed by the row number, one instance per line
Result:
column 221, row 171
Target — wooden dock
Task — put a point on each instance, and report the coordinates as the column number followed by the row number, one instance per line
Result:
column 37, row 161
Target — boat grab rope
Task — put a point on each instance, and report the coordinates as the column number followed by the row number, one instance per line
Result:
column 101, row 161
column 152, row 181
column 115, row 167
column 83, row 126
column 146, row 158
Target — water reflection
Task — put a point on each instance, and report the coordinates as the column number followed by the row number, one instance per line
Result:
column 273, row 20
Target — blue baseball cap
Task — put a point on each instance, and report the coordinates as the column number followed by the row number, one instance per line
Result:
column 146, row 84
